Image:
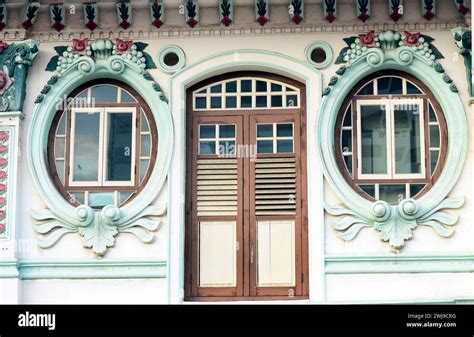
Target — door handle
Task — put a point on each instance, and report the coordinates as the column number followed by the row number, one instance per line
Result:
column 251, row 252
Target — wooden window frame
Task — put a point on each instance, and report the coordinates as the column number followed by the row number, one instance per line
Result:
column 136, row 184
column 351, row 102
column 249, row 290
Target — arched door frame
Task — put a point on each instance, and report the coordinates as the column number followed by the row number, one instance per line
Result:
column 232, row 61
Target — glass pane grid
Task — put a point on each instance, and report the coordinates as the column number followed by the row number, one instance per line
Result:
column 268, row 140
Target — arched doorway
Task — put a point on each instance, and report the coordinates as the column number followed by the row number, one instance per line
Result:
column 246, row 204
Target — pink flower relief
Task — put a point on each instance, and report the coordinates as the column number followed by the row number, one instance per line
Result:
column 3, row 162
column 2, row 201
column 2, row 214
column 80, row 46
column 2, row 228
column 3, row 187
column 412, row 39
column 3, row 46
column 3, row 136
column 367, row 40
column 5, row 82
column 3, row 149
column 123, row 47
column 3, row 174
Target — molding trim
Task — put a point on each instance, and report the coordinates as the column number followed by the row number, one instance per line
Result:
column 171, row 49
column 327, row 50
column 43, row 269
column 390, row 264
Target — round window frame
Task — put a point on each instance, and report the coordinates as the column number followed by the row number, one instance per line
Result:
column 325, row 47
column 444, row 138
column 171, row 49
column 61, row 188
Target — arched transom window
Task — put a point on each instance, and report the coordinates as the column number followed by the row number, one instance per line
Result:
column 102, row 145
column 391, row 138
column 246, row 93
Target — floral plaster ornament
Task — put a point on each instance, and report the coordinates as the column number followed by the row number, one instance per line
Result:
column 462, row 7
column 226, row 10
column 57, row 14
column 31, row 13
column 261, row 12
column 191, row 9
column 3, row 16
column 330, row 10
column 395, row 9
column 5, row 83
column 80, row 46
column 428, row 8
column 367, row 40
column 124, row 14
column 122, row 47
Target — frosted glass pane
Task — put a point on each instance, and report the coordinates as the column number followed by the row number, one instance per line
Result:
column 119, row 146
column 373, row 139
column 407, row 139
column 86, row 147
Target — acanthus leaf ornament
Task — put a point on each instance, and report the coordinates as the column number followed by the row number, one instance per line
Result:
column 428, row 8
column 91, row 15
column 395, row 8
column 462, row 7
column 296, row 11
column 330, row 10
column 191, row 13
column 30, row 15
column 124, row 14
column 157, row 12
column 261, row 12
column 57, row 14
column 226, row 12
column 363, row 10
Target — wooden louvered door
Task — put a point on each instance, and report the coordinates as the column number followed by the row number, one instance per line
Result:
column 246, row 228
column 276, row 206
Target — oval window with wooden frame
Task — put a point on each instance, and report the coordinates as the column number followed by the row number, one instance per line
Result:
column 391, row 137
column 102, row 145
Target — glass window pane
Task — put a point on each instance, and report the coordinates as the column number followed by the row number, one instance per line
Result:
column 99, row 200
column 368, row 89
column 264, row 130
column 86, row 147
column 291, row 101
column 123, row 196
column 390, row 86
column 216, row 88
column 80, row 101
column 276, row 87
column 143, row 168
column 373, row 139
column 216, row 102
column 61, row 130
column 226, row 131
column 277, row 101
column 59, row 146
column 201, row 102
column 261, row 101
column 231, row 86
column 144, row 127
column 261, row 86
column 348, row 117
column 346, row 141
column 434, row 136
column 285, row 130
column 126, row 97
column 227, row 147
column 76, row 197
column 246, row 86
column 407, row 139
column 265, row 146
column 104, row 94
column 145, row 146
column 60, row 169
column 434, row 157
column 415, row 189
column 246, row 101
column 231, row 102
column 432, row 114
column 207, row 131
column 119, row 146
column 412, row 89
column 392, row 193
column 207, row 147
column 369, row 189
column 348, row 161
column 284, row 146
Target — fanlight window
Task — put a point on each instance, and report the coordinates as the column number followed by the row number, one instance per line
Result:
column 391, row 138
column 102, row 146
column 246, row 93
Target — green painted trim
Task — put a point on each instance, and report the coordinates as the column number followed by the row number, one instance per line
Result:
column 324, row 46
column 84, row 269
column 8, row 269
column 390, row 264
column 171, row 49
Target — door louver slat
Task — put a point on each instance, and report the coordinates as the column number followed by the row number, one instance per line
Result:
column 217, row 187
column 275, row 186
